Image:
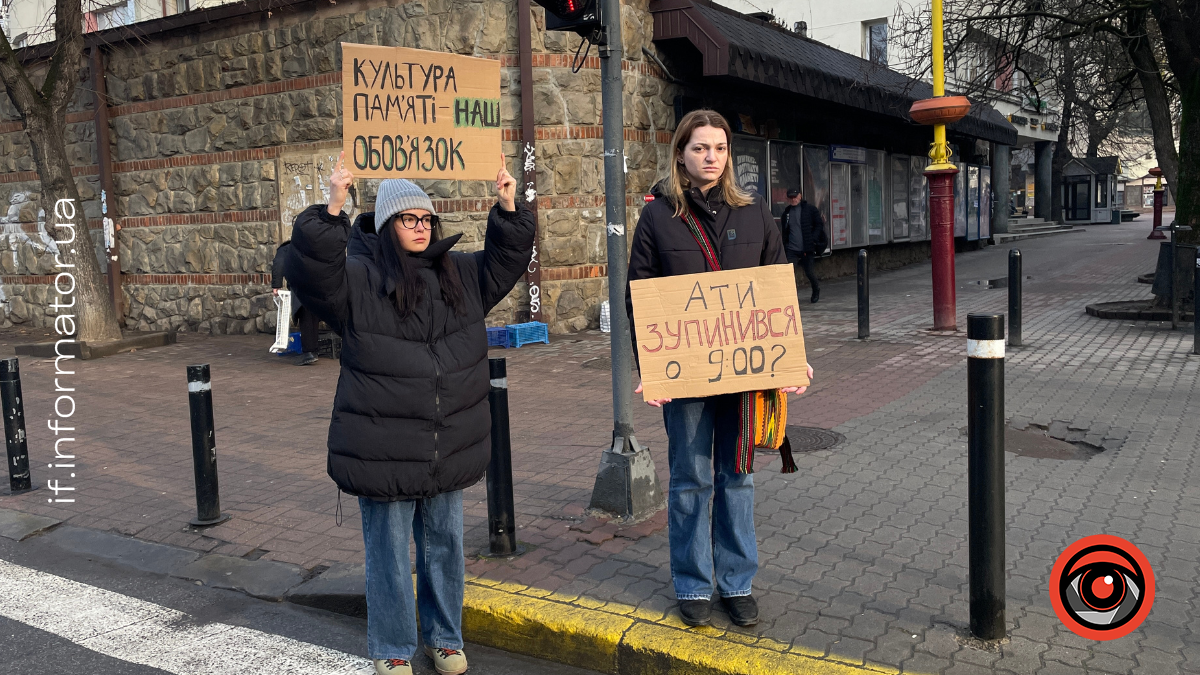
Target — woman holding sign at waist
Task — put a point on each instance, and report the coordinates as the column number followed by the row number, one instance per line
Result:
column 703, row 221
column 410, row 425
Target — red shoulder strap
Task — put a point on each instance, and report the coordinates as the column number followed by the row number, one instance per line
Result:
column 701, row 238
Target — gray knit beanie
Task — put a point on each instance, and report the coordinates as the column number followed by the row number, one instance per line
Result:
column 397, row 195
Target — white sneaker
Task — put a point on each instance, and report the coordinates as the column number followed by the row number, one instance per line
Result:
column 392, row 667
column 448, row 661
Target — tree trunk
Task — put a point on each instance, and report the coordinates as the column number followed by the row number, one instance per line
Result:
column 1179, row 22
column 44, row 112
column 94, row 313
column 1141, row 54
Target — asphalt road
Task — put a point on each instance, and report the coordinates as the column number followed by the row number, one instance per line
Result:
column 65, row 613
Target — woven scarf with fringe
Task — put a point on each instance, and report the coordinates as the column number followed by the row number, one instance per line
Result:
column 763, row 414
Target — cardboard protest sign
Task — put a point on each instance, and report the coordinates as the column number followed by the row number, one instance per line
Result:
column 719, row 332
column 412, row 113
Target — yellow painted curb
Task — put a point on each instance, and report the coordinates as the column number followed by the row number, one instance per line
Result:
column 622, row 640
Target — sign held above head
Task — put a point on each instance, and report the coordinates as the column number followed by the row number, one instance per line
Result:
column 413, row 113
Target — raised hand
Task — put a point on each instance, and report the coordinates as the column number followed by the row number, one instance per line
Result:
column 339, row 186
column 506, row 187
column 799, row 390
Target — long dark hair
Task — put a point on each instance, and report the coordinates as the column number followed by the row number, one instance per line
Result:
column 410, row 287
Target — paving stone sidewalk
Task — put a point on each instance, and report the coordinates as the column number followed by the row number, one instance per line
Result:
column 862, row 552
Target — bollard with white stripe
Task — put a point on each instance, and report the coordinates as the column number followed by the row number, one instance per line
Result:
column 985, row 473
column 204, row 454
column 502, row 526
column 864, row 296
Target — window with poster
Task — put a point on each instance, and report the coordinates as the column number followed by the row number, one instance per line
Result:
column 985, row 202
column 814, row 172
column 972, row 201
column 839, row 205
column 749, row 155
column 785, row 173
column 875, row 193
column 900, row 225
column 918, row 199
column 845, row 199
column 960, row 201
column 858, row 205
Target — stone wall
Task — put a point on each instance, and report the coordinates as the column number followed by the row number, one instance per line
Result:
column 200, row 118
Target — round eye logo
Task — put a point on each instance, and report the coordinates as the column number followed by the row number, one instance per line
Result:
column 1102, row 587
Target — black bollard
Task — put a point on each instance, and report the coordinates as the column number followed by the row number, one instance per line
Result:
column 1196, row 305
column 204, row 454
column 864, row 297
column 1014, row 298
column 19, row 479
column 985, row 473
column 502, row 527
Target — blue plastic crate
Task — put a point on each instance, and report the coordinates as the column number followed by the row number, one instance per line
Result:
column 520, row 334
column 498, row 337
column 293, row 344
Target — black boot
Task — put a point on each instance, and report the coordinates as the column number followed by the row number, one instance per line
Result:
column 743, row 610
column 307, row 359
column 696, row 612
column 816, row 293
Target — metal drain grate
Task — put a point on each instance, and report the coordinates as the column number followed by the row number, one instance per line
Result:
column 811, row 439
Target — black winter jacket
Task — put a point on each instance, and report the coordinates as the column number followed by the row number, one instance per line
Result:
column 410, row 416
column 663, row 245
column 277, row 278
column 810, row 228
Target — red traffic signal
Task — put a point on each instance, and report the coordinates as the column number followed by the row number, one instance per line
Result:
column 576, row 16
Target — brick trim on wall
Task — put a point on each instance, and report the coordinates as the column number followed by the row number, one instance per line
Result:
column 574, row 272
column 247, row 91
column 251, row 154
column 204, row 218
column 29, row 176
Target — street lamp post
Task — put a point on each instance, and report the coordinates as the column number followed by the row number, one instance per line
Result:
column 938, row 112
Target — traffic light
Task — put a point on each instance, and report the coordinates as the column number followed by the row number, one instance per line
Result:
column 584, row 17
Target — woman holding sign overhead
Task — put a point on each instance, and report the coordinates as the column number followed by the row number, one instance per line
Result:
column 410, row 425
column 703, row 221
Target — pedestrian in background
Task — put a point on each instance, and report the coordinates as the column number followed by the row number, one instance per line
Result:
column 306, row 320
column 804, row 229
column 702, row 208
column 410, row 425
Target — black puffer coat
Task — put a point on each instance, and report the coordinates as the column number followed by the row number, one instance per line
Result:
column 410, row 417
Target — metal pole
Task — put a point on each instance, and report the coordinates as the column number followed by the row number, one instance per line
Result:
column 107, row 191
column 1174, row 282
column 19, row 479
column 204, row 454
column 1014, row 298
column 985, row 473
column 1196, row 305
column 864, row 297
column 1156, row 222
column 528, row 156
column 627, row 484
column 502, row 528
column 941, row 220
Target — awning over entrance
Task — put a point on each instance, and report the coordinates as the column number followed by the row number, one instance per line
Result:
column 734, row 45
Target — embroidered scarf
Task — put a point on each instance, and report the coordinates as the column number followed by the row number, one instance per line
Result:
column 763, row 413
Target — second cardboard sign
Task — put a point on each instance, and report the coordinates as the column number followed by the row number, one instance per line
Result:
column 719, row 332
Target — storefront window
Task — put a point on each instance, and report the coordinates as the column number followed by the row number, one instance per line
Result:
column 960, row 201
column 972, row 201
column 985, row 202
column 918, row 202
column 858, row 205
column 839, row 203
column 785, row 173
column 875, row 178
column 1101, row 192
column 900, row 223
column 750, row 163
column 815, row 172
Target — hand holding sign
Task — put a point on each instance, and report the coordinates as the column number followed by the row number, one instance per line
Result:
column 339, row 186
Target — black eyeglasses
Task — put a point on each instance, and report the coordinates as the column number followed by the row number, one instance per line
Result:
column 409, row 221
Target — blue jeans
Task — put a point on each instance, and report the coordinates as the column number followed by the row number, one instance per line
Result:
column 436, row 524
column 702, row 441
